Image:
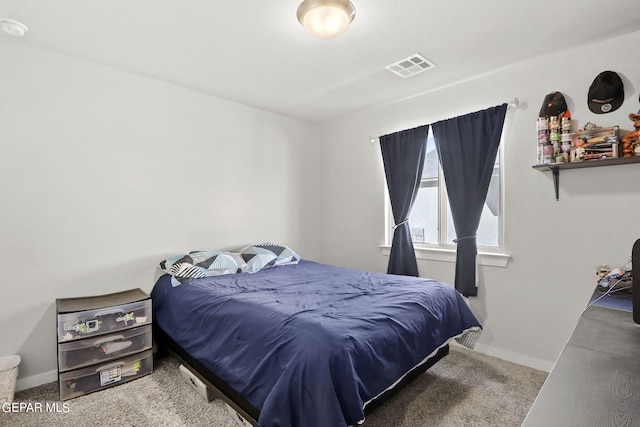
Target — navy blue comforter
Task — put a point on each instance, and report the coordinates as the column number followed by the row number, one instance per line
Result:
column 310, row 344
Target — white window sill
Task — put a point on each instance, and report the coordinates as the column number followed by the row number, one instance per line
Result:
column 493, row 259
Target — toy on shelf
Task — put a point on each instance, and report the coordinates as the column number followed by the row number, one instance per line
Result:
column 595, row 143
column 590, row 126
column 631, row 140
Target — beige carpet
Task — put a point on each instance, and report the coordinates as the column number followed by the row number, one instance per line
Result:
column 463, row 389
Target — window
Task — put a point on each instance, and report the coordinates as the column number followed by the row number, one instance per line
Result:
column 431, row 223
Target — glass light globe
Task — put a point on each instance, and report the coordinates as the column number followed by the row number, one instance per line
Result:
column 325, row 22
column 325, row 19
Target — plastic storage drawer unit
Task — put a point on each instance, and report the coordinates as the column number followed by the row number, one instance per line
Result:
column 103, row 341
column 82, row 381
column 90, row 351
column 83, row 324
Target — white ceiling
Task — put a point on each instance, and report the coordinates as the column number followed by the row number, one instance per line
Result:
column 255, row 52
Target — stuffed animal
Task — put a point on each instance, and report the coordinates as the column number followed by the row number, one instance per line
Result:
column 632, row 138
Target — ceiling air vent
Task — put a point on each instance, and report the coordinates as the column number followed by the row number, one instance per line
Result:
column 411, row 66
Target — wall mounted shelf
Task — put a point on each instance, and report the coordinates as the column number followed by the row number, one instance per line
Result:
column 556, row 167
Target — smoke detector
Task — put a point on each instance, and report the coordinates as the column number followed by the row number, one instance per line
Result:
column 13, row 27
column 410, row 66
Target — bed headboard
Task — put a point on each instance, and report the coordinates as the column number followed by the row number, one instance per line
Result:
column 635, row 275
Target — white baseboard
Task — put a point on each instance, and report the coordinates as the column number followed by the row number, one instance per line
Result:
column 531, row 362
column 36, row 380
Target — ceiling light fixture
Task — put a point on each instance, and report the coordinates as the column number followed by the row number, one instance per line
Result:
column 326, row 19
column 13, row 27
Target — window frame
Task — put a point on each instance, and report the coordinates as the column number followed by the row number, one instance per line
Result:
column 443, row 251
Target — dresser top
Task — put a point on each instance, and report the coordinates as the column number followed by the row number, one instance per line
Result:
column 70, row 305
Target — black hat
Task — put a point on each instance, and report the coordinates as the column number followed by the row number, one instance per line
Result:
column 606, row 93
column 554, row 105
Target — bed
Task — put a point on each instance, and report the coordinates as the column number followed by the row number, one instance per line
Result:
column 304, row 343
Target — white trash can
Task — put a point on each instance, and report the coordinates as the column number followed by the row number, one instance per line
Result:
column 8, row 377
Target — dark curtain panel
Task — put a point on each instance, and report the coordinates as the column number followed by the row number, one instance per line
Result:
column 403, row 155
column 467, row 148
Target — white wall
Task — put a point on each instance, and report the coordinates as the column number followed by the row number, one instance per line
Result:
column 105, row 173
column 529, row 308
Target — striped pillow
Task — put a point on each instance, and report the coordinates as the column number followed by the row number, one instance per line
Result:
column 197, row 264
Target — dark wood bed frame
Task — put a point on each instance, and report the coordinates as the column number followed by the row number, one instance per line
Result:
column 165, row 345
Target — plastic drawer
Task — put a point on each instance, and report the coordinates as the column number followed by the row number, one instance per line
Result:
column 90, row 351
column 83, row 381
column 83, row 324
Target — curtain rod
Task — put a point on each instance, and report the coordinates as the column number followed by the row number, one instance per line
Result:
column 513, row 104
